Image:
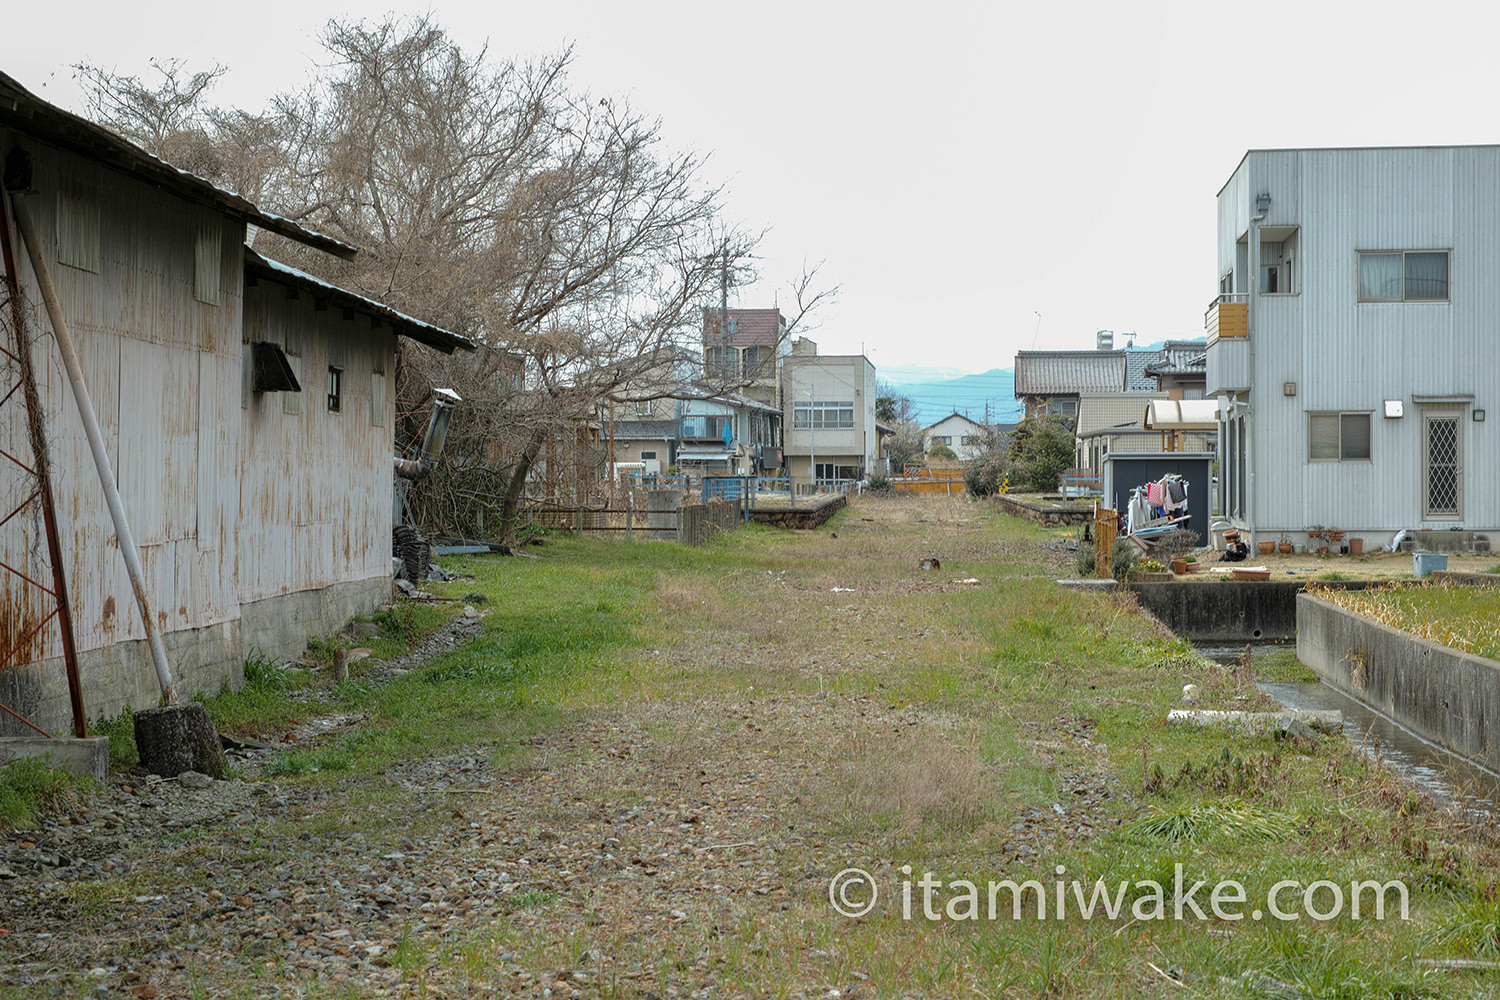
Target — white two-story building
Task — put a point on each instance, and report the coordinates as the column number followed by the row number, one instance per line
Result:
column 1352, row 346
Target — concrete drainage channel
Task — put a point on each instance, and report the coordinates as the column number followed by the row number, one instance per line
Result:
column 1397, row 692
column 1231, row 611
column 1446, row 776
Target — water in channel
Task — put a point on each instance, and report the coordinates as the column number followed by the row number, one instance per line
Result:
column 1446, row 776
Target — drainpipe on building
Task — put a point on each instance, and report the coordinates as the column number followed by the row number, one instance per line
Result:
column 1262, row 206
column 812, row 454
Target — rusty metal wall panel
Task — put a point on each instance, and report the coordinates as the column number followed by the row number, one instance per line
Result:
column 208, row 258
column 159, row 415
column 316, row 485
column 78, row 226
column 141, row 335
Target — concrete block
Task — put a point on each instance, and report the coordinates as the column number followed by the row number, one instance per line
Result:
column 1444, row 541
column 88, row 756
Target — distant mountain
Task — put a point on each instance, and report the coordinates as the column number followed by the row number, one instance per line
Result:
column 967, row 394
column 937, row 395
column 899, row 374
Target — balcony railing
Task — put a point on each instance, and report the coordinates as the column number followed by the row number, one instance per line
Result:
column 1227, row 316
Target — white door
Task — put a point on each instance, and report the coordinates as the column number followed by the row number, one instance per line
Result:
column 1442, row 466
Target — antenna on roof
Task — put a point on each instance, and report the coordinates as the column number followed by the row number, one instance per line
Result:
column 1038, row 329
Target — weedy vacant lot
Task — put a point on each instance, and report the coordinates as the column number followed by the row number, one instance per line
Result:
column 639, row 772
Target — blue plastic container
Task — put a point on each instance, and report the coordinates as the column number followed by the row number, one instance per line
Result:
column 1423, row 563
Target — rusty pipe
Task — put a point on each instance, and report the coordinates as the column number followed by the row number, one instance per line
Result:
column 22, row 214
column 432, row 442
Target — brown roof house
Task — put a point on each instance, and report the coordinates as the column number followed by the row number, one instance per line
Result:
column 1050, row 382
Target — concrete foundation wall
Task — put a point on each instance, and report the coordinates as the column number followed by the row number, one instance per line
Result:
column 1447, row 696
column 279, row 627
column 202, row 660
column 1228, row 611
column 1231, row 611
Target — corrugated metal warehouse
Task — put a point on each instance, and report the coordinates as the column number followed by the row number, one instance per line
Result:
column 261, row 517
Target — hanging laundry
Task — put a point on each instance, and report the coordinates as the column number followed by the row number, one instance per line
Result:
column 1140, row 511
column 1154, row 494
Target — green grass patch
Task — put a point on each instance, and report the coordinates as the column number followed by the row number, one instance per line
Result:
column 1280, row 664
column 266, row 702
column 30, row 789
column 121, row 733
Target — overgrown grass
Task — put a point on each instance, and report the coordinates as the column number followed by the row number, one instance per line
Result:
column 30, row 789
column 1466, row 618
column 267, row 702
column 890, row 717
column 1281, row 664
column 275, row 697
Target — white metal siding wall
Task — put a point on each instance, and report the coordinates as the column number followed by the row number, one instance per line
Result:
column 157, row 361
column 1347, row 355
column 315, row 487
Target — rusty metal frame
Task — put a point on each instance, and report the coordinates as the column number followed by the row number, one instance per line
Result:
column 40, row 470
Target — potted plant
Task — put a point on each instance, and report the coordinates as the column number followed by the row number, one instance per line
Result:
column 1284, row 544
column 1192, row 563
column 1316, row 531
column 1334, row 534
column 1149, row 570
column 1265, row 548
column 1179, row 566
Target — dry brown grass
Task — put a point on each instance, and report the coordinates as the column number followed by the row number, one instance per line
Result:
column 1464, row 618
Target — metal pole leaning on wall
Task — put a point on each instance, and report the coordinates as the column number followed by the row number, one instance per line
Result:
column 22, row 214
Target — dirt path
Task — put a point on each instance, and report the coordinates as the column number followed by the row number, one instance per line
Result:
column 811, row 703
column 638, row 844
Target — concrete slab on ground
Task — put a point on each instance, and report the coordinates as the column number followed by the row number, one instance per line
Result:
column 87, row 756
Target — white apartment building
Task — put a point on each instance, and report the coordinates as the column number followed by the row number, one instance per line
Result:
column 828, row 414
column 1352, row 345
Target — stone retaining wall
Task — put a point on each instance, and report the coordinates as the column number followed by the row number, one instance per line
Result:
column 1047, row 513
column 1441, row 694
column 799, row 517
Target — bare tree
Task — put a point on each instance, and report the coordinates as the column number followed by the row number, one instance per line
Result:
column 487, row 197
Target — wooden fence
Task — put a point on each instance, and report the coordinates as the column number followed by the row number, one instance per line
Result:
column 636, row 518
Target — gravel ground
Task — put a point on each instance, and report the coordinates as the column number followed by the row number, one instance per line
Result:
column 622, row 853
column 609, row 835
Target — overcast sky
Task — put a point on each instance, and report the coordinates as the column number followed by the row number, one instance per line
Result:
column 961, row 167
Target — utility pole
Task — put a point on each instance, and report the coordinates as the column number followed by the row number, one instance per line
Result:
column 724, row 304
